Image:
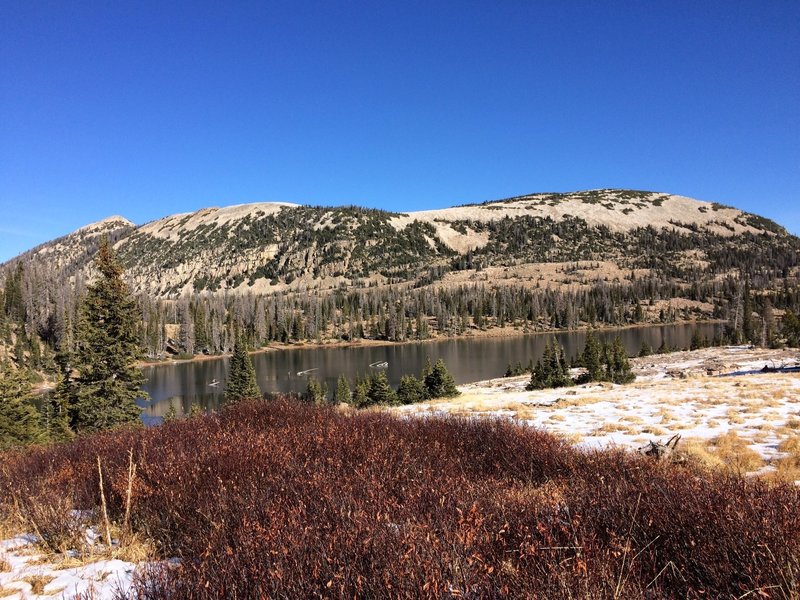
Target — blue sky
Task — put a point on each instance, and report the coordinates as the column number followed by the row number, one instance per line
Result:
column 150, row 108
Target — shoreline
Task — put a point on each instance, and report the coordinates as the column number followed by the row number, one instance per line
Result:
column 494, row 332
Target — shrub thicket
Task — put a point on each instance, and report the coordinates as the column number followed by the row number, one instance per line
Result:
column 272, row 499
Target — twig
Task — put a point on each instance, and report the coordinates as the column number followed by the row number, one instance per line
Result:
column 103, row 504
column 131, row 476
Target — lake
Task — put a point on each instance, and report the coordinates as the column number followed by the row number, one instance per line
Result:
column 468, row 359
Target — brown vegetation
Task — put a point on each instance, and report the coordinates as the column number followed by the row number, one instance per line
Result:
column 285, row 500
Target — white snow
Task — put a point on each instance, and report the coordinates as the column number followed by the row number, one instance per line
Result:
column 105, row 579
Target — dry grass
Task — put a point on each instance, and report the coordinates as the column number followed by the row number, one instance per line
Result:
column 134, row 548
column 38, row 583
column 11, row 524
column 6, row 592
column 734, row 417
column 728, row 452
column 736, row 454
column 667, row 416
column 697, row 451
column 654, row 430
column 793, row 423
column 787, row 468
column 791, row 447
column 610, row 428
column 5, row 566
column 578, row 401
column 633, row 419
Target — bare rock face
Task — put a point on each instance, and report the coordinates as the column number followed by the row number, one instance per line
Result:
column 541, row 239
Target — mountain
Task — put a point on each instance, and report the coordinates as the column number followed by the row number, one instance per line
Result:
column 269, row 247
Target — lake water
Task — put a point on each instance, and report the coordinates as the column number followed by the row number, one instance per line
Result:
column 476, row 359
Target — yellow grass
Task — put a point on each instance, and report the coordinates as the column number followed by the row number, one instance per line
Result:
column 793, row 423
column 610, row 428
column 38, row 583
column 736, row 453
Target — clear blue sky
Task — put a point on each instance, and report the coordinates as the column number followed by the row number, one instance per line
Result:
column 150, row 108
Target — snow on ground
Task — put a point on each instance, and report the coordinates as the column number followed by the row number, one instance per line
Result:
column 700, row 394
column 23, row 563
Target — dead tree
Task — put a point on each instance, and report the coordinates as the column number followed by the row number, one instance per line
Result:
column 661, row 451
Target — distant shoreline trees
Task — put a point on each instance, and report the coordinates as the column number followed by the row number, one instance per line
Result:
column 374, row 389
column 600, row 361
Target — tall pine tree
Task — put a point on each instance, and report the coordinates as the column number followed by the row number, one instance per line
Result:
column 242, row 382
column 108, row 381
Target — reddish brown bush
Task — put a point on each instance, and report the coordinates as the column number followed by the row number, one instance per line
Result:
column 285, row 500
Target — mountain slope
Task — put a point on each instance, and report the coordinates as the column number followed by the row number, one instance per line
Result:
column 268, row 247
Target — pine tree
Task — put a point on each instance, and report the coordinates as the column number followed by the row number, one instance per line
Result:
column 747, row 314
column 343, row 393
column 380, row 392
column 618, row 369
column 108, row 382
column 790, row 329
column 551, row 371
column 410, row 390
column 361, row 394
column 591, row 357
column 57, row 406
column 439, row 383
column 242, row 382
column 698, row 341
column 316, row 392
column 20, row 422
column 427, row 368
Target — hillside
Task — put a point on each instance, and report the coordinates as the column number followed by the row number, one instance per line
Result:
column 268, row 247
column 286, row 273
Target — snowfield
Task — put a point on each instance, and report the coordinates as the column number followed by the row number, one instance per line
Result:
column 698, row 394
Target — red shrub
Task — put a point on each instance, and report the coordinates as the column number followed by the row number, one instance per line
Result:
column 285, row 500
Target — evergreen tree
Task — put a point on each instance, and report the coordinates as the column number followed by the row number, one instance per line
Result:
column 343, row 393
column 591, row 357
column 316, row 392
column 427, row 368
column 361, row 393
column 439, row 383
column 410, row 390
column 747, row 313
column 697, row 340
column 618, row 369
column 539, row 378
column 551, row 371
column 242, row 382
column 646, row 350
column 380, row 392
column 20, row 422
column 57, row 407
column 108, row 382
column 790, row 329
